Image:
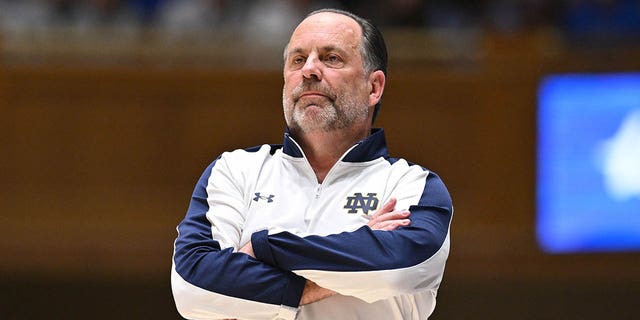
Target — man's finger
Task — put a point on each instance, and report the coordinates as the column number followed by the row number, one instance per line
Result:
column 391, row 224
column 387, row 207
column 394, row 215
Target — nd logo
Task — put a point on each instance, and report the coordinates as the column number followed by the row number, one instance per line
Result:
column 360, row 202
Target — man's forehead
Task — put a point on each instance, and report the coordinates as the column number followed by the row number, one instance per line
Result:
column 328, row 25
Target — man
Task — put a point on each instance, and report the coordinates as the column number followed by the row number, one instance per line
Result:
column 327, row 225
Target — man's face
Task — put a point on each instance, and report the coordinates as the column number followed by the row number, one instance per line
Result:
column 325, row 85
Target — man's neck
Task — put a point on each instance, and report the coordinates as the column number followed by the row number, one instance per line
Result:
column 324, row 149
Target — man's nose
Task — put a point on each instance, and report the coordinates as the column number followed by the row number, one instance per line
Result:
column 312, row 68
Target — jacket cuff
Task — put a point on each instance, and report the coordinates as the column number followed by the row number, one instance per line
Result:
column 261, row 248
column 293, row 292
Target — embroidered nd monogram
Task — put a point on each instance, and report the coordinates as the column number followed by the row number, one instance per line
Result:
column 360, row 202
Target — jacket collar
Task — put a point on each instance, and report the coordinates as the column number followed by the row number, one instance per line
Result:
column 372, row 147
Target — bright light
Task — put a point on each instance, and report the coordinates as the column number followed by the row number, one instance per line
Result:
column 588, row 175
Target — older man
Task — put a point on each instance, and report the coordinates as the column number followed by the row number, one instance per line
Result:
column 327, row 225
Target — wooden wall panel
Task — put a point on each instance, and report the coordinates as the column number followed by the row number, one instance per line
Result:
column 98, row 164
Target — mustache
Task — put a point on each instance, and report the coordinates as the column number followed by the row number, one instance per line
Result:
column 315, row 87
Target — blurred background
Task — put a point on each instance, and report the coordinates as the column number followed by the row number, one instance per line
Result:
column 110, row 110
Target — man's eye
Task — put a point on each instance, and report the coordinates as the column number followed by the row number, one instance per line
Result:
column 333, row 60
column 298, row 60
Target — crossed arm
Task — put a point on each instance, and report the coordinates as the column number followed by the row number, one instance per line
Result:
column 386, row 218
column 211, row 281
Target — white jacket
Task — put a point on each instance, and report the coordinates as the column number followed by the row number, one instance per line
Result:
column 300, row 229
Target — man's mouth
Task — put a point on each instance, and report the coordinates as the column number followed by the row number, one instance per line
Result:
column 312, row 94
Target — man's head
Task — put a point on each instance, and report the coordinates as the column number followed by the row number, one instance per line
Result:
column 334, row 72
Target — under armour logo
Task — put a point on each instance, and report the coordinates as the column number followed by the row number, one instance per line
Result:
column 261, row 197
column 359, row 202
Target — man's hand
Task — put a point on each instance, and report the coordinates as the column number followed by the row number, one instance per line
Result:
column 248, row 249
column 313, row 292
column 387, row 218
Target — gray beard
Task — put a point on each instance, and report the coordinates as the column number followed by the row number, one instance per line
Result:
column 331, row 115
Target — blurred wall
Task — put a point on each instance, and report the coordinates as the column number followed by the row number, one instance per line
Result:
column 98, row 164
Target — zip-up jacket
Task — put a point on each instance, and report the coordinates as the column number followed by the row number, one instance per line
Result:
column 301, row 229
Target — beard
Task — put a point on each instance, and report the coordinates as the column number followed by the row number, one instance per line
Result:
column 331, row 112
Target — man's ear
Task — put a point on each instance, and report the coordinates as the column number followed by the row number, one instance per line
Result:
column 377, row 80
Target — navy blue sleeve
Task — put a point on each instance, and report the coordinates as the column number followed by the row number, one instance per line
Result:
column 365, row 249
column 199, row 260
